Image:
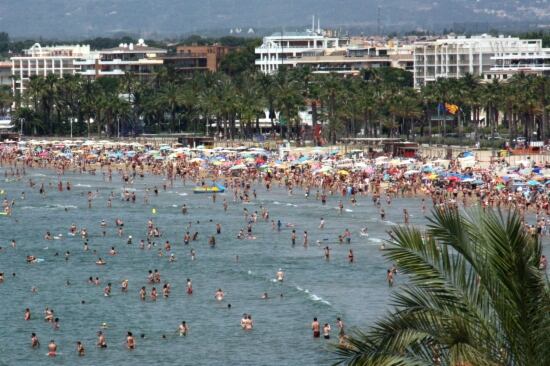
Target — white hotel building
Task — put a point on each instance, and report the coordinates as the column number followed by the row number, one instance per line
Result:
column 43, row 61
column 454, row 57
column 138, row 59
column 286, row 48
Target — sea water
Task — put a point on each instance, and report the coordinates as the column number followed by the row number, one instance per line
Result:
column 313, row 287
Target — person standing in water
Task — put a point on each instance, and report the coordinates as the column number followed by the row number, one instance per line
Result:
column 315, row 327
column 52, row 349
column 183, row 328
column 280, row 275
column 35, row 343
column 80, row 349
column 130, row 341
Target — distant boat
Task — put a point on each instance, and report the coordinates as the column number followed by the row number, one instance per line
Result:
column 210, row 189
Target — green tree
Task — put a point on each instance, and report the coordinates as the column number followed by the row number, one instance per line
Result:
column 474, row 295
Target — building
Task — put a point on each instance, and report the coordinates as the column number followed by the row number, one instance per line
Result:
column 323, row 52
column 506, row 64
column 5, row 73
column 454, row 57
column 285, row 48
column 138, row 59
column 43, row 61
column 351, row 60
column 189, row 59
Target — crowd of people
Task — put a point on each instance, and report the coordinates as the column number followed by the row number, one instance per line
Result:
column 245, row 174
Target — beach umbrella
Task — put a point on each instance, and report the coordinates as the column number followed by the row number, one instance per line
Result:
column 533, row 183
column 500, row 186
column 238, row 167
column 343, row 172
column 412, row 171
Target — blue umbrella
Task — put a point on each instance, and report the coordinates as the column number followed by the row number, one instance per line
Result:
column 533, row 183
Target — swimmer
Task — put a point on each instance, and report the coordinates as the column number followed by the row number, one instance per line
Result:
column 107, row 290
column 183, row 328
column 189, row 287
column 80, row 349
column 264, row 296
column 35, row 342
column 100, row 262
column 326, row 331
column 219, row 295
column 101, row 341
column 130, row 341
column 315, row 327
column 350, row 256
column 280, row 275
column 52, row 349
column 27, row 314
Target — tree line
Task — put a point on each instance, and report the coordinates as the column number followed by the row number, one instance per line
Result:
column 380, row 103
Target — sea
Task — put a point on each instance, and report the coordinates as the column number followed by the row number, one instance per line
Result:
column 313, row 287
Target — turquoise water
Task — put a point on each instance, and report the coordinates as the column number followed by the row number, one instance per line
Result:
column 313, row 287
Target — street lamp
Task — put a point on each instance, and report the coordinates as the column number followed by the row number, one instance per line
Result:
column 21, row 120
column 71, row 120
column 90, row 121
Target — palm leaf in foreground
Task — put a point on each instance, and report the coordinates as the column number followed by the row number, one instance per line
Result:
column 474, row 296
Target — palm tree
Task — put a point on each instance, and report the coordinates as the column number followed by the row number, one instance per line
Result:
column 491, row 96
column 251, row 102
column 474, row 296
column 288, row 99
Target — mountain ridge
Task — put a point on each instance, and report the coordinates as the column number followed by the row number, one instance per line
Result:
column 64, row 18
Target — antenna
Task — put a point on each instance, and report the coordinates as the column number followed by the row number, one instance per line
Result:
column 318, row 25
column 313, row 23
column 378, row 22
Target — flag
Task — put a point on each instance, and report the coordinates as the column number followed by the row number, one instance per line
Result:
column 451, row 108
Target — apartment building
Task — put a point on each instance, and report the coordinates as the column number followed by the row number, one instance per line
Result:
column 454, row 57
column 138, row 59
column 43, row 61
column 190, row 59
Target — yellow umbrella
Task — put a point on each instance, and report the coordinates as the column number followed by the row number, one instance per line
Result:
column 343, row 172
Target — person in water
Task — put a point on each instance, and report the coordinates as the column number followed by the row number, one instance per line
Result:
column 315, row 327
column 52, row 349
column 80, row 349
column 130, row 341
column 219, row 295
column 183, row 328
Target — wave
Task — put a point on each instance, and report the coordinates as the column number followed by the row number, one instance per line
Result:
column 182, row 194
column 312, row 296
column 388, row 222
column 376, row 240
column 62, row 206
column 83, row 185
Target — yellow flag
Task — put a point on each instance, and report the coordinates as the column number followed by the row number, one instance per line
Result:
column 451, row 108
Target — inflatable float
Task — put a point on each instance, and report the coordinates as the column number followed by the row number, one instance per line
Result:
column 209, row 189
